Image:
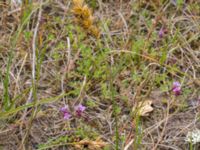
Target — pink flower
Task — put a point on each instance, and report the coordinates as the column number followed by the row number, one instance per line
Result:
column 176, row 88
column 65, row 112
column 79, row 110
column 67, row 116
column 176, row 84
column 177, row 91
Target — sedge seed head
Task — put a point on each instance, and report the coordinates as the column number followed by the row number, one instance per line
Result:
column 83, row 17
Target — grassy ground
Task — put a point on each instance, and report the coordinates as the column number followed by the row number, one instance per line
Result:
column 119, row 61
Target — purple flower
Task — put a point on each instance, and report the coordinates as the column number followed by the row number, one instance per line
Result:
column 161, row 33
column 65, row 112
column 176, row 85
column 176, row 88
column 79, row 110
column 67, row 116
column 177, row 91
column 64, row 109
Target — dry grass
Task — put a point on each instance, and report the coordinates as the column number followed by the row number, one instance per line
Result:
column 48, row 59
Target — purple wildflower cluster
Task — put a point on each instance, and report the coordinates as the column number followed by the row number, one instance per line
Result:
column 79, row 109
column 66, row 112
column 176, row 88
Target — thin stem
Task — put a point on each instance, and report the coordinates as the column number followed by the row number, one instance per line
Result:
column 114, row 109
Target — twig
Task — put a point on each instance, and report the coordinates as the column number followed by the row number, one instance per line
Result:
column 165, row 125
column 128, row 145
column 68, row 63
